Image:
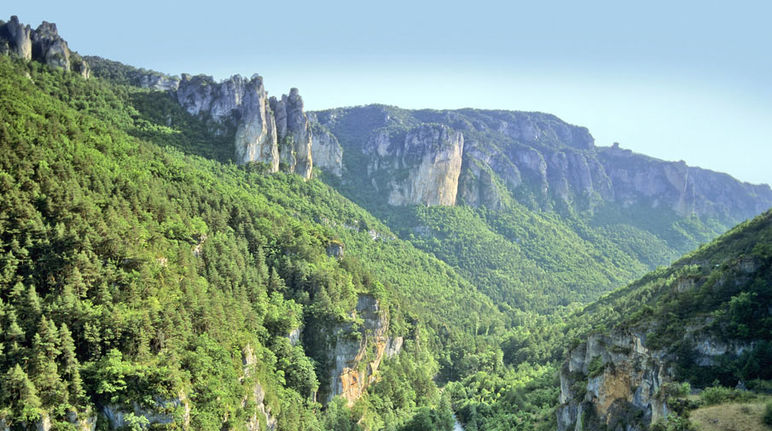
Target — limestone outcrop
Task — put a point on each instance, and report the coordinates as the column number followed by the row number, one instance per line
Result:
column 431, row 156
column 293, row 132
column 42, row 44
column 162, row 411
column 359, row 350
column 261, row 413
column 533, row 158
column 326, row 151
column 272, row 131
column 612, row 381
column 638, row 179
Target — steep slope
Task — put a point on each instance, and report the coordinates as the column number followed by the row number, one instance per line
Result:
column 546, row 218
column 706, row 318
column 141, row 284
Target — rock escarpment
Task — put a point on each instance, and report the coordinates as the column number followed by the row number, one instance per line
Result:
column 357, row 351
column 326, row 151
column 272, row 131
column 616, row 382
column 679, row 324
column 636, row 179
column 534, row 158
column 294, row 133
column 42, row 44
column 613, row 381
column 429, row 158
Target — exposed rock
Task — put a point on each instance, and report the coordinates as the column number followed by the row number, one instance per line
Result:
column 262, row 413
column 326, row 151
column 295, row 335
column 626, row 387
column 272, row 131
column 42, row 44
column 358, row 353
column 535, row 159
column 624, row 392
column 163, row 412
column 256, row 138
column 49, row 47
column 430, row 154
column 159, row 81
column 294, row 133
column 335, row 249
column 394, row 346
column 18, row 37
column 638, row 179
column 82, row 422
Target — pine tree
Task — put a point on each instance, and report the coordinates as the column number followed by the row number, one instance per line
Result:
column 14, row 337
column 45, row 373
column 275, row 283
column 71, row 367
column 20, row 395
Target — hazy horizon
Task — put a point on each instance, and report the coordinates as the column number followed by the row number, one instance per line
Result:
column 673, row 81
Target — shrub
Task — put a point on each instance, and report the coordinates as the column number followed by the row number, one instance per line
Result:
column 596, row 367
column 768, row 414
column 721, row 394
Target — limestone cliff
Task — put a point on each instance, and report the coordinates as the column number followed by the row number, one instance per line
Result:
column 687, row 190
column 272, row 131
column 261, row 413
column 534, row 158
column 42, row 44
column 293, row 132
column 616, row 382
column 429, row 158
column 326, row 151
column 612, row 381
column 358, row 351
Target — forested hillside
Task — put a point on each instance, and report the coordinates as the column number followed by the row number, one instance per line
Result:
column 540, row 216
column 705, row 323
column 137, row 278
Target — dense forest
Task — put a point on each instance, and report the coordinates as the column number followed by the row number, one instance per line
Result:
column 133, row 272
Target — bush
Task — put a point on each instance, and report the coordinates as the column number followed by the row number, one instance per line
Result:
column 596, row 367
column 674, row 423
column 768, row 414
column 721, row 394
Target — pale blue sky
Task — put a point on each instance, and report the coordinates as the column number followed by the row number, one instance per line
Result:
column 688, row 80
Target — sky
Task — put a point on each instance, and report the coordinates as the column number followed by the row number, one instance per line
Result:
column 678, row 80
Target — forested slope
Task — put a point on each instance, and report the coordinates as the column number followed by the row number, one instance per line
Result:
column 137, row 278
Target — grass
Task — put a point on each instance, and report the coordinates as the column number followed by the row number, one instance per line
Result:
column 732, row 416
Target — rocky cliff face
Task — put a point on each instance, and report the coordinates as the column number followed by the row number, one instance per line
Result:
column 294, row 133
column 262, row 412
column 325, row 148
column 534, row 158
column 616, row 382
column 428, row 159
column 42, row 44
column 686, row 190
column 358, row 352
column 272, row 131
column 620, row 380
column 613, row 381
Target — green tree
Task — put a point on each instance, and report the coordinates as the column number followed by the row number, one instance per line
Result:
column 20, row 396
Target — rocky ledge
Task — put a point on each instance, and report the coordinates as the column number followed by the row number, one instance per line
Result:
column 42, row 44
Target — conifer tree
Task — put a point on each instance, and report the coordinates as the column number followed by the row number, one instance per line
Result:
column 71, row 367
column 20, row 396
column 45, row 372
